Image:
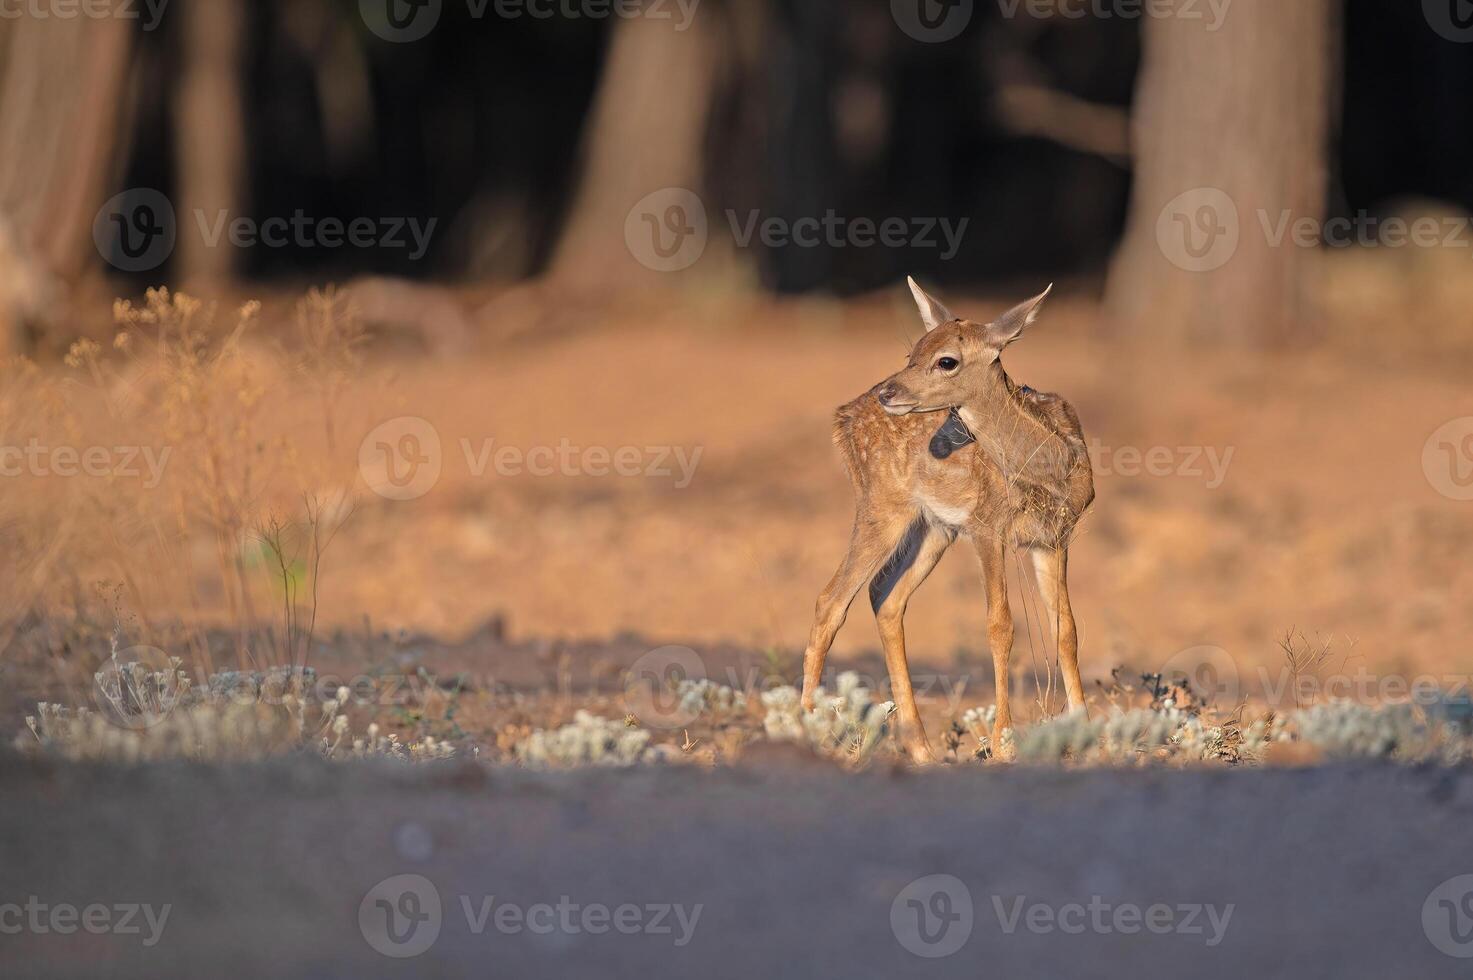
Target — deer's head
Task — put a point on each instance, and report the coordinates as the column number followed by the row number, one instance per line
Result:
column 957, row 359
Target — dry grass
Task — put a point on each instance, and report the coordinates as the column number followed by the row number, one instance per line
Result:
column 196, row 503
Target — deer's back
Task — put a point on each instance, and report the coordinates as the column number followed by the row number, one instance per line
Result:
column 890, row 463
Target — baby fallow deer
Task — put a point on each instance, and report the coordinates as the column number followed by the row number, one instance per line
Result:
column 951, row 447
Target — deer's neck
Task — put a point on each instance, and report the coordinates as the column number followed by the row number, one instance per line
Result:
column 1016, row 440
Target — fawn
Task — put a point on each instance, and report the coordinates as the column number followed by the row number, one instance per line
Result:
column 950, row 446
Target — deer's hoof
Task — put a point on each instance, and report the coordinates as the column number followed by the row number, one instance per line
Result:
column 920, row 754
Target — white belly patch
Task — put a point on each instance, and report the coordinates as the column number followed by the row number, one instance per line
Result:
column 948, row 514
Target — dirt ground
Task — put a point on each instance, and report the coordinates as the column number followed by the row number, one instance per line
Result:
column 799, row 871
column 1239, row 497
column 1285, row 494
column 1319, row 518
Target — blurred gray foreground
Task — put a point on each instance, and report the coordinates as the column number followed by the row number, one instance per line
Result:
column 797, row 869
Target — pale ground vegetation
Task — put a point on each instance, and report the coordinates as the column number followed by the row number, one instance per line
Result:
column 150, row 715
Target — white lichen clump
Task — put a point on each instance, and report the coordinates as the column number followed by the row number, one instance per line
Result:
column 849, row 722
column 1347, row 730
column 1124, row 737
column 704, row 698
column 588, row 741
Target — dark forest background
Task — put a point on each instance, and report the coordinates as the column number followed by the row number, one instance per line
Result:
column 1043, row 132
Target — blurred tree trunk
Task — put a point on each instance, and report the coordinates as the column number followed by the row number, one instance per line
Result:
column 62, row 100
column 646, row 133
column 210, row 137
column 803, row 145
column 1232, row 120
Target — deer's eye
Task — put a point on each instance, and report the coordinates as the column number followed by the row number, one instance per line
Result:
column 947, row 364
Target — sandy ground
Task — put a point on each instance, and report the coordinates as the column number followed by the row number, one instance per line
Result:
column 1239, row 498
column 1285, row 493
column 796, row 869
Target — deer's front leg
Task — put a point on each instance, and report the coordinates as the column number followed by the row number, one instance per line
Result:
column 869, row 546
column 912, row 560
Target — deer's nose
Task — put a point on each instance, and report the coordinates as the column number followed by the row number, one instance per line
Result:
column 888, row 393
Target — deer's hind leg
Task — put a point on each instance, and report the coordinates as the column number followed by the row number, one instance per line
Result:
column 872, row 541
column 1051, row 569
column 991, row 552
column 909, row 565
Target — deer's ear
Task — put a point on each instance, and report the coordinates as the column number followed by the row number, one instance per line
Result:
column 1010, row 326
column 933, row 314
